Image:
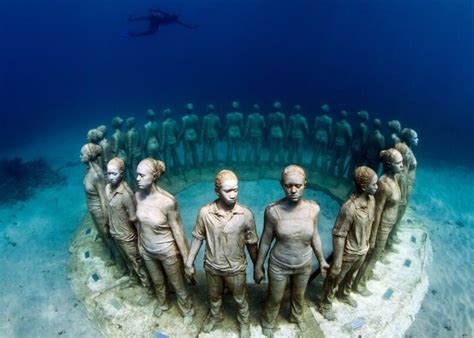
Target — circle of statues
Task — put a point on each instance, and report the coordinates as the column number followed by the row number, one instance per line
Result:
column 140, row 222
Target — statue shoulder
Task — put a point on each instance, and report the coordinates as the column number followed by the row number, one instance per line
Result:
column 314, row 207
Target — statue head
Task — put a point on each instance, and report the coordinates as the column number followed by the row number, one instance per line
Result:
column 392, row 160
column 94, row 136
column 343, row 114
column 149, row 171
column 277, row 105
column 189, row 107
column 297, row 108
column 226, row 185
column 410, row 137
column 293, row 180
column 256, row 108
column 90, row 152
column 377, row 124
column 363, row 115
column 325, row 108
column 365, row 180
column 115, row 171
column 103, row 129
column 150, row 114
column 131, row 122
column 211, row 108
column 394, row 126
column 167, row 113
column 117, row 122
column 235, row 105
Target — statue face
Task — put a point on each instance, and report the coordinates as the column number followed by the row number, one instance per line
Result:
column 228, row 192
column 235, row 105
column 414, row 139
column 294, row 184
column 114, row 175
column 84, row 158
column 372, row 187
column 145, row 177
column 397, row 163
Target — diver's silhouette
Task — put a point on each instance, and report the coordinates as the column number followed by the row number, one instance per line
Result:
column 156, row 18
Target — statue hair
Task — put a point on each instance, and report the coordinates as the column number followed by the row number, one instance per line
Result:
column 223, row 175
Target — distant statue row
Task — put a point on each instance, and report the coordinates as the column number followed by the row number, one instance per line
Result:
column 337, row 148
column 145, row 230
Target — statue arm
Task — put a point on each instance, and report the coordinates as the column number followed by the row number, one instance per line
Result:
column 318, row 247
column 174, row 220
column 339, row 235
column 265, row 242
column 380, row 200
column 100, row 186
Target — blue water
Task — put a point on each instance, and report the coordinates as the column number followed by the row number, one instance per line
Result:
column 65, row 68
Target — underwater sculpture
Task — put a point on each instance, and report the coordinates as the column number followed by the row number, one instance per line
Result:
column 340, row 145
column 162, row 243
column 211, row 124
column 350, row 235
column 375, row 144
column 117, row 140
column 395, row 129
column 292, row 223
column 387, row 199
column 94, row 186
column 151, row 136
column 410, row 138
column 276, row 133
column 95, row 136
column 133, row 149
column 189, row 135
column 169, row 140
column 122, row 218
column 254, row 131
column 234, row 128
column 296, row 132
column 106, row 148
column 359, row 143
column 227, row 227
column 322, row 134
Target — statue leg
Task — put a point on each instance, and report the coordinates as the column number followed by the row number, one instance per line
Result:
column 194, row 155
column 214, row 151
column 157, row 275
column 229, row 150
column 237, row 286
column 349, row 268
column 215, row 289
column 134, row 262
column 187, row 154
column 299, row 282
column 299, row 156
column 276, row 290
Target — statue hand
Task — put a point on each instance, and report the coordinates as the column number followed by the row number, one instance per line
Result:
column 335, row 271
column 189, row 271
column 258, row 275
column 324, row 266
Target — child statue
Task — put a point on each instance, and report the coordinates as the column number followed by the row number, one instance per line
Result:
column 340, row 144
column 322, row 134
column 227, row 227
column 296, row 132
column 350, row 237
column 162, row 243
column 211, row 126
column 106, row 147
column 375, row 144
column 189, row 135
column 253, row 135
column 277, row 130
column 292, row 223
column 387, row 199
column 234, row 128
column 122, row 216
column 151, row 139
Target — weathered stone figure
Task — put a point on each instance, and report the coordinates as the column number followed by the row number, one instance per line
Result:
column 296, row 132
column 410, row 138
column 254, row 131
column 189, row 135
column 122, row 222
column 117, row 140
column 277, row 131
column 211, row 126
column 95, row 136
column 106, row 147
column 340, row 145
column 162, row 243
column 151, row 136
column 359, row 142
column 227, row 227
column 169, row 140
column 350, row 237
column 234, row 128
column 387, row 199
column 375, row 144
column 133, row 148
column 322, row 135
column 292, row 223
column 395, row 129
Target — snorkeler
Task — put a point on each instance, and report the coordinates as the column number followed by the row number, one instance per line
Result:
column 156, row 18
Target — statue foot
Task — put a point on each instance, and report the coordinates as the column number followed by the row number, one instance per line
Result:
column 384, row 260
column 188, row 319
column 348, row 300
column 267, row 332
column 210, row 323
column 145, row 299
column 362, row 290
column 159, row 309
column 327, row 313
column 392, row 249
column 301, row 325
column 244, row 331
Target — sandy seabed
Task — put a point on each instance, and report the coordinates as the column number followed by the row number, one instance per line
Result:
column 37, row 300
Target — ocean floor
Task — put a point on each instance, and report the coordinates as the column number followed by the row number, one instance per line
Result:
column 36, row 298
